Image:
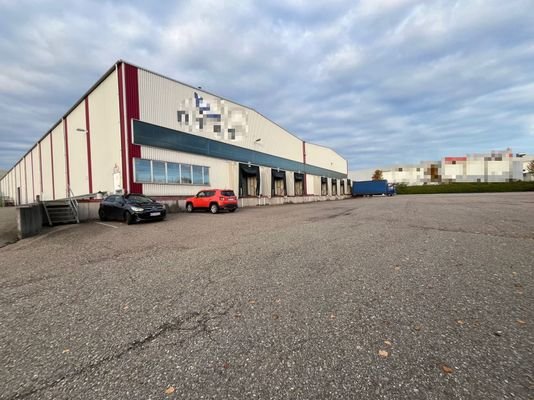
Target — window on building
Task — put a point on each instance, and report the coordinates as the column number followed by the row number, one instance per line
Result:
column 334, row 187
column 152, row 171
column 217, row 128
column 198, row 177
column 206, row 172
column 158, row 172
column 231, row 134
column 185, row 176
column 143, row 170
column 173, row 173
column 342, row 191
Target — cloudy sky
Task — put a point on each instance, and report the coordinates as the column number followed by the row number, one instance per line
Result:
column 381, row 81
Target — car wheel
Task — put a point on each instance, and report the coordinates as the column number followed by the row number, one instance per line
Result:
column 128, row 218
column 102, row 215
column 214, row 208
column 189, row 207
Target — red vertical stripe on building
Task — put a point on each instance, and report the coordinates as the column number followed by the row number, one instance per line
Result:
column 132, row 112
column 40, row 168
column 65, row 134
column 124, row 146
column 52, row 166
column 33, row 177
column 88, row 135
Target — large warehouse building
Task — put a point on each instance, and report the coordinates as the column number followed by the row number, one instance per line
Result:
column 136, row 131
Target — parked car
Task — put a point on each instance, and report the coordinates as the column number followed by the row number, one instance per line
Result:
column 131, row 208
column 213, row 200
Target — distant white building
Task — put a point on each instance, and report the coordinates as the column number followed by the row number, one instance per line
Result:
column 497, row 166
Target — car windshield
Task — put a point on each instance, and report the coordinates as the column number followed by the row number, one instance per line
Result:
column 227, row 192
column 139, row 199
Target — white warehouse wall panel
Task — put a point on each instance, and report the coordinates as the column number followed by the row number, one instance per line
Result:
column 36, row 171
column 46, row 159
column 77, row 142
column 60, row 172
column 173, row 105
column 290, row 182
column 104, row 131
column 265, row 181
column 28, row 180
column 19, row 189
column 324, row 157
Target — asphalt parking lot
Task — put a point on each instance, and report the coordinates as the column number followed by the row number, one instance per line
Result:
column 410, row 297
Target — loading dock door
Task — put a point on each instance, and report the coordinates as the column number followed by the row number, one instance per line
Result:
column 249, row 180
column 278, row 183
column 324, row 186
column 299, row 184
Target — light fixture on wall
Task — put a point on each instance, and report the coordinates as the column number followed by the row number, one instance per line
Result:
column 257, row 140
column 81, row 130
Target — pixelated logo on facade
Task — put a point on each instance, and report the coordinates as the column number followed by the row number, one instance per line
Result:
column 212, row 116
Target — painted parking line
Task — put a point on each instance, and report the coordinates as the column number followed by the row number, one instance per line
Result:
column 111, row 226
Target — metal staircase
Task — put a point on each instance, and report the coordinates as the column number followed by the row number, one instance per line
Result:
column 62, row 211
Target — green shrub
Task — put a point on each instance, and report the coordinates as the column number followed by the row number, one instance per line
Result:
column 467, row 187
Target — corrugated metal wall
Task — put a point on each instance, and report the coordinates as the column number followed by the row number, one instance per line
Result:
column 77, row 142
column 60, row 171
column 104, row 127
column 324, row 157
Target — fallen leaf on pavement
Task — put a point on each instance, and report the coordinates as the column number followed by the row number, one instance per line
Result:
column 387, row 342
column 332, row 316
column 170, row 390
column 418, row 327
column 383, row 353
column 66, row 351
column 521, row 322
column 252, row 301
column 447, row 369
column 460, row 322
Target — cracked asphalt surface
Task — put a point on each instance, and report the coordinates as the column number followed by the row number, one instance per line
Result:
column 282, row 302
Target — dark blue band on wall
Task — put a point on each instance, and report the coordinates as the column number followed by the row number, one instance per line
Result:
column 157, row 136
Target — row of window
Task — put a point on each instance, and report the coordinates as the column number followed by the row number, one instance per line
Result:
column 151, row 171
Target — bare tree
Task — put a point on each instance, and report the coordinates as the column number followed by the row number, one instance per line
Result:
column 530, row 167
